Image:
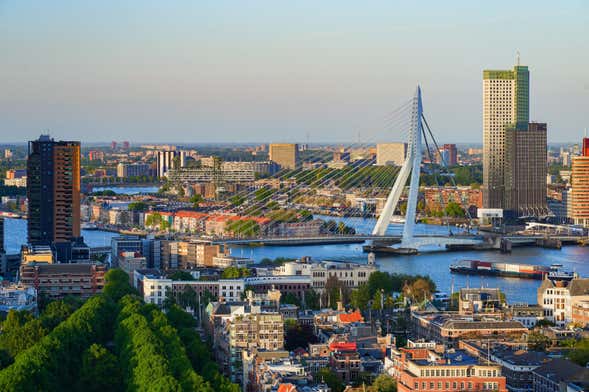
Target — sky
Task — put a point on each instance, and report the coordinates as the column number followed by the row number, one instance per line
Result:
column 272, row 71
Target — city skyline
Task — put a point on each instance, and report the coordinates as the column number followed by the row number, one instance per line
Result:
column 214, row 73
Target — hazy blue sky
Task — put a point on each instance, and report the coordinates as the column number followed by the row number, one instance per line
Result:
column 206, row 71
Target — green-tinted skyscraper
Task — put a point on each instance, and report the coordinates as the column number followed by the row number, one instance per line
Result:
column 507, row 139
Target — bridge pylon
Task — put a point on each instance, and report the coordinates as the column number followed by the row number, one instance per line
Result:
column 411, row 166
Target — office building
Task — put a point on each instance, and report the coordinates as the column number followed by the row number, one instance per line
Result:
column 525, row 170
column 53, row 192
column 580, row 187
column 514, row 150
column 505, row 102
column 391, row 153
column 169, row 159
column 285, row 155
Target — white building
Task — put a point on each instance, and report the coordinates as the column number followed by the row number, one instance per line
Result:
column 557, row 297
column 153, row 287
column 351, row 274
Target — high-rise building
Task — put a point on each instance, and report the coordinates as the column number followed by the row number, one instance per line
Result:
column 505, row 102
column 451, row 157
column 170, row 159
column 284, row 154
column 525, row 170
column 53, row 192
column 391, row 153
column 514, row 151
column 1, row 236
column 580, row 187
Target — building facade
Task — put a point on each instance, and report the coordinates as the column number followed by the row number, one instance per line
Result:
column 505, row 102
column 284, row 154
column 526, row 170
column 391, row 153
column 580, row 187
column 53, row 192
column 60, row 280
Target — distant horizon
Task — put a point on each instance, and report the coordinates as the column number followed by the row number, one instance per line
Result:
column 224, row 71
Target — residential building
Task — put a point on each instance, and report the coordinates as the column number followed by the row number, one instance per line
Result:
column 289, row 284
column 505, row 102
column 557, row 296
column 122, row 244
column 450, row 154
column 169, row 159
column 240, row 329
column 517, row 362
column 421, row 369
column 284, row 154
column 483, row 300
column 449, row 328
column 580, row 312
column 60, row 280
column 437, row 198
column 560, row 375
column 153, row 287
column 53, row 193
column 126, row 170
column 580, row 187
column 209, row 174
column 391, row 153
column 36, row 254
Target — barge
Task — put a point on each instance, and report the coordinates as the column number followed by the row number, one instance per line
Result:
column 509, row 270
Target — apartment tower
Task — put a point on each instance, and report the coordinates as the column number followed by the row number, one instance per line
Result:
column 284, row 154
column 580, row 186
column 53, row 192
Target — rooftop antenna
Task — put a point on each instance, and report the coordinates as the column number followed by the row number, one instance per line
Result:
column 517, row 56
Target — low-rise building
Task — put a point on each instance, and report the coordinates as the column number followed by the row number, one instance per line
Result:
column 449, row 328
column 350, row 274
column 420, row 369
column 154, row 287
column 17, row 297
column 517, row 363
column 560, row 375
column 556, row 297
column 60, row 280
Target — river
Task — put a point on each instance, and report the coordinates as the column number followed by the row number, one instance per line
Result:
column 436, row 265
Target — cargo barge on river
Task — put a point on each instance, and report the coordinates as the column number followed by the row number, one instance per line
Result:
column 509, row 270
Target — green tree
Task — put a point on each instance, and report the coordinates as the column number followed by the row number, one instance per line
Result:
column 196, row 199
column 384, row 383
column 311, row 299
column 117, row 284
column 99, row 371
column 580, row 352
column 538, row 342
column 454, row 209
column 360, row 297
column 327, row 376
column 137, row 206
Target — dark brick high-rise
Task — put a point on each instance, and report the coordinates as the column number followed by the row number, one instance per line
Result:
column 53, row 192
